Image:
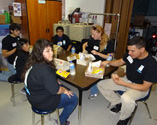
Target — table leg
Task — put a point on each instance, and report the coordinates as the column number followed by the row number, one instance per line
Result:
column 80, row 106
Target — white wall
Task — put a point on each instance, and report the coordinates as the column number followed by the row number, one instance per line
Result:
column 94, row 6
column 5, row 3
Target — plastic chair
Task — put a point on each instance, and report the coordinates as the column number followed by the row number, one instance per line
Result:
column 42, row 113
column 13, row 80
column 144, row 99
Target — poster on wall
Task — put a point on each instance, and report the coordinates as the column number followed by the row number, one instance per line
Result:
column 17, row 9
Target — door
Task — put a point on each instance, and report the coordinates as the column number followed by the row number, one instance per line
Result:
column 54, row 14
column 41, row 18
column 36, row 20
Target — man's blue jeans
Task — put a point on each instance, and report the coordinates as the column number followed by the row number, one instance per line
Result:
column 68, row 105
column 6, row 74
column 94, row 90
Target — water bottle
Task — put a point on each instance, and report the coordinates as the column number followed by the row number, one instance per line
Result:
column 72, row 68
column 109, row 58
column 72, row 50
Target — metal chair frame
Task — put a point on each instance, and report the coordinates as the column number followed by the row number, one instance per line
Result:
column 43, row 113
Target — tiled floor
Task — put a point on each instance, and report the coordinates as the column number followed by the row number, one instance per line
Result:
column 94, row 112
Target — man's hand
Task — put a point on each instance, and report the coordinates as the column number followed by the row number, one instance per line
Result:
column 117, row 80
column 104, row 63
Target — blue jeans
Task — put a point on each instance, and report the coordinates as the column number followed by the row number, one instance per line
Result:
column 6, row 74
column 68, row 105
column 94, row 90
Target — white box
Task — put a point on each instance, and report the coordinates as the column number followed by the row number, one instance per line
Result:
column 61, row 64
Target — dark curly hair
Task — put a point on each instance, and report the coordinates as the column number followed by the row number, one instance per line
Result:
column 37, row 55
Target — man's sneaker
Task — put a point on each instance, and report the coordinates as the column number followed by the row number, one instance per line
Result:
column 124, row 122
column 67, row 123
column 93, row 96
column 116, row 108
column 23, row 91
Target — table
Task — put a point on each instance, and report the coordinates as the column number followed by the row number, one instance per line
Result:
column 80, row 81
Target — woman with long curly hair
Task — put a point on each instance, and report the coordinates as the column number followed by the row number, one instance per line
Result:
column 44, row 92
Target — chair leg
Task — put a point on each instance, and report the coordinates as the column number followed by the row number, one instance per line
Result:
column 13, row 94
column 109, row 105
column 58, row 116
column 147, row 109
column 133, row 114
column 33, row 118
column 42, row 119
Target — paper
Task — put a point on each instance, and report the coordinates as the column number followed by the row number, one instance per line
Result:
column 17, row 9
column 108, row 28
column 96, row 64
column 41, row 1
column 62, row 73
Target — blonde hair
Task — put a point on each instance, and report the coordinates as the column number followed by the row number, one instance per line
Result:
column 104, row 36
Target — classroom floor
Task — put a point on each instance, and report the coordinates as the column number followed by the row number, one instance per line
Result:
column 94, row 112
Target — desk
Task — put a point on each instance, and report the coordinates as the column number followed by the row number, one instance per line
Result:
column 80, row 81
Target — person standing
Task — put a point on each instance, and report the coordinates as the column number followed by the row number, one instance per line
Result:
column 141, row 73
column 9, row 44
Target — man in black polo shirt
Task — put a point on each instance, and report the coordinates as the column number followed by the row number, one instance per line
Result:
column 141, row 70
column 61, row 39
column 9, row 44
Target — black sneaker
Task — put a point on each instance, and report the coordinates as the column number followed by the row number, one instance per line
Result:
column 116, row 108
column 123, row 122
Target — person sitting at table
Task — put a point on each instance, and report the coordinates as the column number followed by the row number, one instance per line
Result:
column 9, row 44
column 61, row 39
column 141, row 70
column 20, row 61
column 101, row 47
column 44, row 92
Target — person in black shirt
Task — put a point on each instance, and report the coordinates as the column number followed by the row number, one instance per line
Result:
column 99, row 44
column 61, row 39
column 44, row 92
column 20, row 61
column 101, row 47
column 141, row 73
column 9, row 44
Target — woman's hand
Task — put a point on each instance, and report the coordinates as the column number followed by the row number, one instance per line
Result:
column 94, row 52
column 69, row 93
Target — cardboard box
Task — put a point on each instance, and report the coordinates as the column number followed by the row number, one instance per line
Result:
column 95, row 73
column 2, row 19
column 16, row 20
column 61, row 64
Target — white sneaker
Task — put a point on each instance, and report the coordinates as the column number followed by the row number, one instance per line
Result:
column 93, row 96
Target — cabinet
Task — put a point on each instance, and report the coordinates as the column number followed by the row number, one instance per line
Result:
column 40, row 18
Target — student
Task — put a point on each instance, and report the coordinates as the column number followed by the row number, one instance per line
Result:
column 22, row 56
column 61, row 39
column 9, row 44
column 44, row 92
column 99, row 44
column 141, row 70
column 101, row 47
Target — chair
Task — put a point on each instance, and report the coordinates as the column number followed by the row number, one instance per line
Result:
column 144, row 99
column 13, row 80
column 42, row 113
